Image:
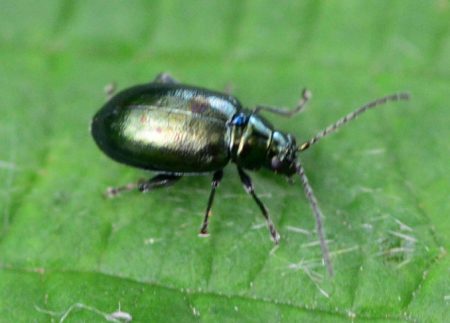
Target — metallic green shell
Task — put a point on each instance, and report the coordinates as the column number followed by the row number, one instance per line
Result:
column 167, row 127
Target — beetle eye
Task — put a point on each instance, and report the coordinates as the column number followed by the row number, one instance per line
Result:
column 275, row 163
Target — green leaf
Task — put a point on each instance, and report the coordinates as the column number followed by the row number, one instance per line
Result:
column 67, row 253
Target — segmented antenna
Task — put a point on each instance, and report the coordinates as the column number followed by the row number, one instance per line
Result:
column 332, row 128
column 318, row 216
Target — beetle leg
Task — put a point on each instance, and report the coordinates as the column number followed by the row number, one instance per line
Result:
column 110, row 89
column 217, row 177
column 165, row 78
column 306, row 95
column 159, row 181
column 247, row 182
column 229, row 88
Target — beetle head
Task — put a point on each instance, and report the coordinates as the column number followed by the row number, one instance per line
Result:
column 282, row 154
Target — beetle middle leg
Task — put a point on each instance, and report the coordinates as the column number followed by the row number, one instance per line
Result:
column 217, row 177
column 159, row 181
column 165, row 78
column 247, row 182
column 306, row 95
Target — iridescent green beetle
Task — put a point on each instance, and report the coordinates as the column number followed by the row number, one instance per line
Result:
column 175, row 130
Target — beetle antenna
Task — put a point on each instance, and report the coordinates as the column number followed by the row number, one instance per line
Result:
column 318, row 216
column 332, row 128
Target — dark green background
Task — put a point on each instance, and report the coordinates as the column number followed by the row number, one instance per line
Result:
column 382, row 182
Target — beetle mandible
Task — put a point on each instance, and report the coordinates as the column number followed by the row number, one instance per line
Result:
column 175, row 130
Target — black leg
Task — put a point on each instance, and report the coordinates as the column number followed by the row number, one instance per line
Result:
column 247, row 182
column 159, row 181
column 217, row 177
column 306, row 95
column 164, row 78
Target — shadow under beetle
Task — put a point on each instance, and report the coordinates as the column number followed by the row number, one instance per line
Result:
column 175, row 130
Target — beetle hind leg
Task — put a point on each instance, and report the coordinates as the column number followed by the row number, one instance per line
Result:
column 159, row 181
column 247, row 182
column 217, row 177
column 165, row 78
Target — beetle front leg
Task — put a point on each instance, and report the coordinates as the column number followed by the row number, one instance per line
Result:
column 159, row 181
column 247, row 182
column 164, row 78
column 217, row 177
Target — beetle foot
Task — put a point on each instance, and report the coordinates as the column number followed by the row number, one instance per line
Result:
column 111, row 192
column 203, row 234
column 229, row 88
column 306, row 94
column 275, row 237
column 110, row 89
column 164, row 78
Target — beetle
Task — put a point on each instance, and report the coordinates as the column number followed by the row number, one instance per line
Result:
column 175, row 130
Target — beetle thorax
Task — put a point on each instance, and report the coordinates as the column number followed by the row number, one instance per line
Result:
column 282, row 154
column 255, row 144
column 250, row 140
